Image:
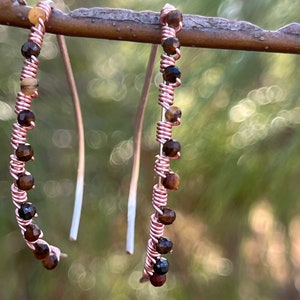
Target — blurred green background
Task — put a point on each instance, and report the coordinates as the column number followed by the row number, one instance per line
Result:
column 238, row 212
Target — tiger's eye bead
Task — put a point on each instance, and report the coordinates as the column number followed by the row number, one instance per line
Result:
column 171, row 74
column 173, row 113
column 171, row 181
column 168, row 216
column 29, row 48
column 170, row 45
column 161, row 266
column 164, row 245
column 41, row 250
column 25, row 181
column 174, row 17
column 29, row 86
column 171, row 148
column 26, row 118
column 24, row 152
column 32, row 232
column 35, row 14
column 158, row 280
column 27, row 211
column 50, row 262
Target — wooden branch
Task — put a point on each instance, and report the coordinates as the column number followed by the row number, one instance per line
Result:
column 144, row 27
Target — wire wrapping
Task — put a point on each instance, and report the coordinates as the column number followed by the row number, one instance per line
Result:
column 163, row 134
column 19, row 133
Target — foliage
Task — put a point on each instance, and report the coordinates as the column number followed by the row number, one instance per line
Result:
column 236, row 234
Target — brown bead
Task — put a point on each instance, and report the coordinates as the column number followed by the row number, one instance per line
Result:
column 158, row 280
column 50, row 262
column 171, row 148
column 170, row 45
column 41, row 250
column 173, row 114
column 24, row 152
column 32, row 232
column 174, row 17
column 171, row 74
column 35, row 14
column 29, row 86
column 25, row 181
column 171, row 181
column 27, row 211
column 26, row 118
column 168, row 216
column 164, row 245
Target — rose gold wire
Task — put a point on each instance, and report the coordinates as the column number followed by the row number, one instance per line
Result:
column 131, row 210
column 79, row 122
column 19, row 133
column 163, row 133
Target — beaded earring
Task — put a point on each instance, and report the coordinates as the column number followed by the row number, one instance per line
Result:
column 23, row 151
column 156, row 266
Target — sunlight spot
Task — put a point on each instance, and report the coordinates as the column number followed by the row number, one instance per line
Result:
column 62, row 138
column 6, row 112
column 243, row 110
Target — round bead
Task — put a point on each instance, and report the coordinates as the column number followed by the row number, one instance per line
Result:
column 171, row 148
column 171, row 181
column 25, row 181
column 41, row 250
column 158, row 280
column 50, row 262
column 32, row 232
column 35, row 14
column 161, row 266
column 164, row 245
column 24, row 152
column 174, row 17
column 170, row 45
column 27, row 211
column 29, row 48
column 168, row 216
column 26, row 118
column 171, row 74
column 173, row 113
column 29, row 86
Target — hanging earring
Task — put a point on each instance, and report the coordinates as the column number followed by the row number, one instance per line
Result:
column 156, row 266
column 23, row 151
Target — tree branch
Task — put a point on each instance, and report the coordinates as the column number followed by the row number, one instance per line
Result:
column 144, row 27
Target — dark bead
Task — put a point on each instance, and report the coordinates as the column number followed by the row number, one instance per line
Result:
column 27, row 211
column 161, row 266
column 24, row 152
column 164, row 245
column 171, row 181
column 174, row 17
column 25, row 181
column 41, row 250
column 170, row 45
column 168, row 216
column 158, row 280
column 171, row 148
column 29, row 48
column 173, row 114
column 32, row 232
column 50, row 262
column 171, row 73
column 26, row 117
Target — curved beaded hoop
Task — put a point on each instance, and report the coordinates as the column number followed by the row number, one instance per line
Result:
column 156, row 266
column 23, row 152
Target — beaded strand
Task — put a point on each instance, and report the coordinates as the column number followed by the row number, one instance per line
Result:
column 23, row 152
column 156, row 266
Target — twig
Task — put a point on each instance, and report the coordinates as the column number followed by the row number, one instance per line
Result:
column 80, row 129
column 128, row 25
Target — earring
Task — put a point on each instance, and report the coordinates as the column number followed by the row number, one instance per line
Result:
column 156, row 266
column 23, row 152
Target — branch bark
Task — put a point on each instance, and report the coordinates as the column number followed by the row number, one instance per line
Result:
column 144, row 27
